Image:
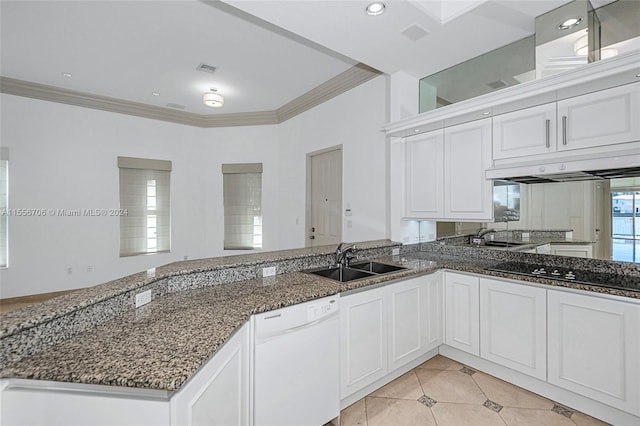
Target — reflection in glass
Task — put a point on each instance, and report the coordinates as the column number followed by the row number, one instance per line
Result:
column 625, row 226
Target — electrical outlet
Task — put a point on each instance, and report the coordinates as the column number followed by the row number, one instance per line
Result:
column 89, row 268
column 395, row 251
column 143, row 298
column 269, row 272
column 186, row 258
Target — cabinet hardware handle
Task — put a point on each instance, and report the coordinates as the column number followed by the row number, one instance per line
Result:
column 548, row 124
column 564, row 130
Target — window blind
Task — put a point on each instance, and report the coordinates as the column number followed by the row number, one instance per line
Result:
column 145, row 195
column 4, row 205
column 242, row 194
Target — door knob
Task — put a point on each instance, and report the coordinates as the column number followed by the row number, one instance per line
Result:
column 312, row 237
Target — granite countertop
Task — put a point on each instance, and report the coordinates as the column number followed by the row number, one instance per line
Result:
column 160, row 345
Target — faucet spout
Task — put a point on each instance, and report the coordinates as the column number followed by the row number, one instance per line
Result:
column 344, row 255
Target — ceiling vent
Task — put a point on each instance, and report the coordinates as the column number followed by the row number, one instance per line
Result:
column 206, row 68
column 414, row 32
column 175, row 106
column 499, row 84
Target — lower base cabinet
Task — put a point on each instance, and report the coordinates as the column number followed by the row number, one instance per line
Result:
column 219, row 393
column 462, row 303
column 513, row 326
column 385, row 328
column 594, row 348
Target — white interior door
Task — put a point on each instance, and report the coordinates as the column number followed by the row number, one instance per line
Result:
column 325, row 224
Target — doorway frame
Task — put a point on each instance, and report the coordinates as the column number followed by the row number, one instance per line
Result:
column 307, row 221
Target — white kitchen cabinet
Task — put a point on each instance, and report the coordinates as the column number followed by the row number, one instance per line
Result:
column 529, row 131
column 601, row 118
column 363, row 339
column 385, row 328
column 444, row 173
column 415, row 318
column 606, row 117
column 573, row 250
column 467, row 154
column 594, row 348
column 462, row 303
column 218, row 394
column 513, row 326
column 424, row 168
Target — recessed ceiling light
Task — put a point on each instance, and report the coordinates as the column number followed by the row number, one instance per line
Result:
column 416, row 130
column 155, row 93
column 67, row 74
column 375, row 8
column 569, row 23
column 486, row 113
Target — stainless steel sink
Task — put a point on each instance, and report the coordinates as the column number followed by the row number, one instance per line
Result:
column 341, row 274
column 503, row 243
column 376, row 268
column 356, row 271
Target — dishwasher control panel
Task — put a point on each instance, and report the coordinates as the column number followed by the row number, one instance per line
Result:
column 321, row 309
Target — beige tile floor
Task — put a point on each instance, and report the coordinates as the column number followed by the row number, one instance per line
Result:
column 443, row 392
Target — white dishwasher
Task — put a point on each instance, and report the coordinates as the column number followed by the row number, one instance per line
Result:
column 296, row 366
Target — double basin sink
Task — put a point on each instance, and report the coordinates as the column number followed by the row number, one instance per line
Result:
column 355, row 271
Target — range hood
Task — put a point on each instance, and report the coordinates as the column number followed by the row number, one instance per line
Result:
column 623, row 164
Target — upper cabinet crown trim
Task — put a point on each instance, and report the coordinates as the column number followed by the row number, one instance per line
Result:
column 589, row 78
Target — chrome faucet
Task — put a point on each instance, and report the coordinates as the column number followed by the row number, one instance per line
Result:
column 344, row 255
column 478, row 237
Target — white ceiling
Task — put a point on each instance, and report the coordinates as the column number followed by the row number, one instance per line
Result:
column 267, row 52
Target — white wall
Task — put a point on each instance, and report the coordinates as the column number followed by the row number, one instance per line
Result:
column 64, row 157
column 353, row 120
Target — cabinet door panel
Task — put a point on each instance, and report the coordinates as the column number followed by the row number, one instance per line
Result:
column 363, row 337
column 601, row 118
column 462, row 327
column 405, row 321
column 434, row 304
column 424, row 175
column 525, row 132
column 513, row 326
column 467, row 153
column 593, row 348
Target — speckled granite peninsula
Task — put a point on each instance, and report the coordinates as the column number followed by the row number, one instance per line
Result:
column 95, row 336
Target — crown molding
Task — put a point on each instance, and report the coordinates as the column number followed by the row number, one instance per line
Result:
column 337, row 85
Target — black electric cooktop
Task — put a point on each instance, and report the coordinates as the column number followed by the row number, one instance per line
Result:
column 601, row 279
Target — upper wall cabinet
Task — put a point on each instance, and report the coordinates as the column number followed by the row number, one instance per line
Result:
column 424, row 169
column 526, row 132
column 603, row 118
column 467, row 153
column 445, row 173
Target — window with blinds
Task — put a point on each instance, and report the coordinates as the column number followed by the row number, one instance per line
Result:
column 4, row 205
column 242, row 193
column 145, row 196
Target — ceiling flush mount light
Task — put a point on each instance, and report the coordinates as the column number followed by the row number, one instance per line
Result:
column 155, row 93
column 375, row 8
column 569, row 23
column 67, row 74
column 213, row 99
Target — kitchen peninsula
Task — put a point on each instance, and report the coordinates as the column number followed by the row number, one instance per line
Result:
column 199, row 305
